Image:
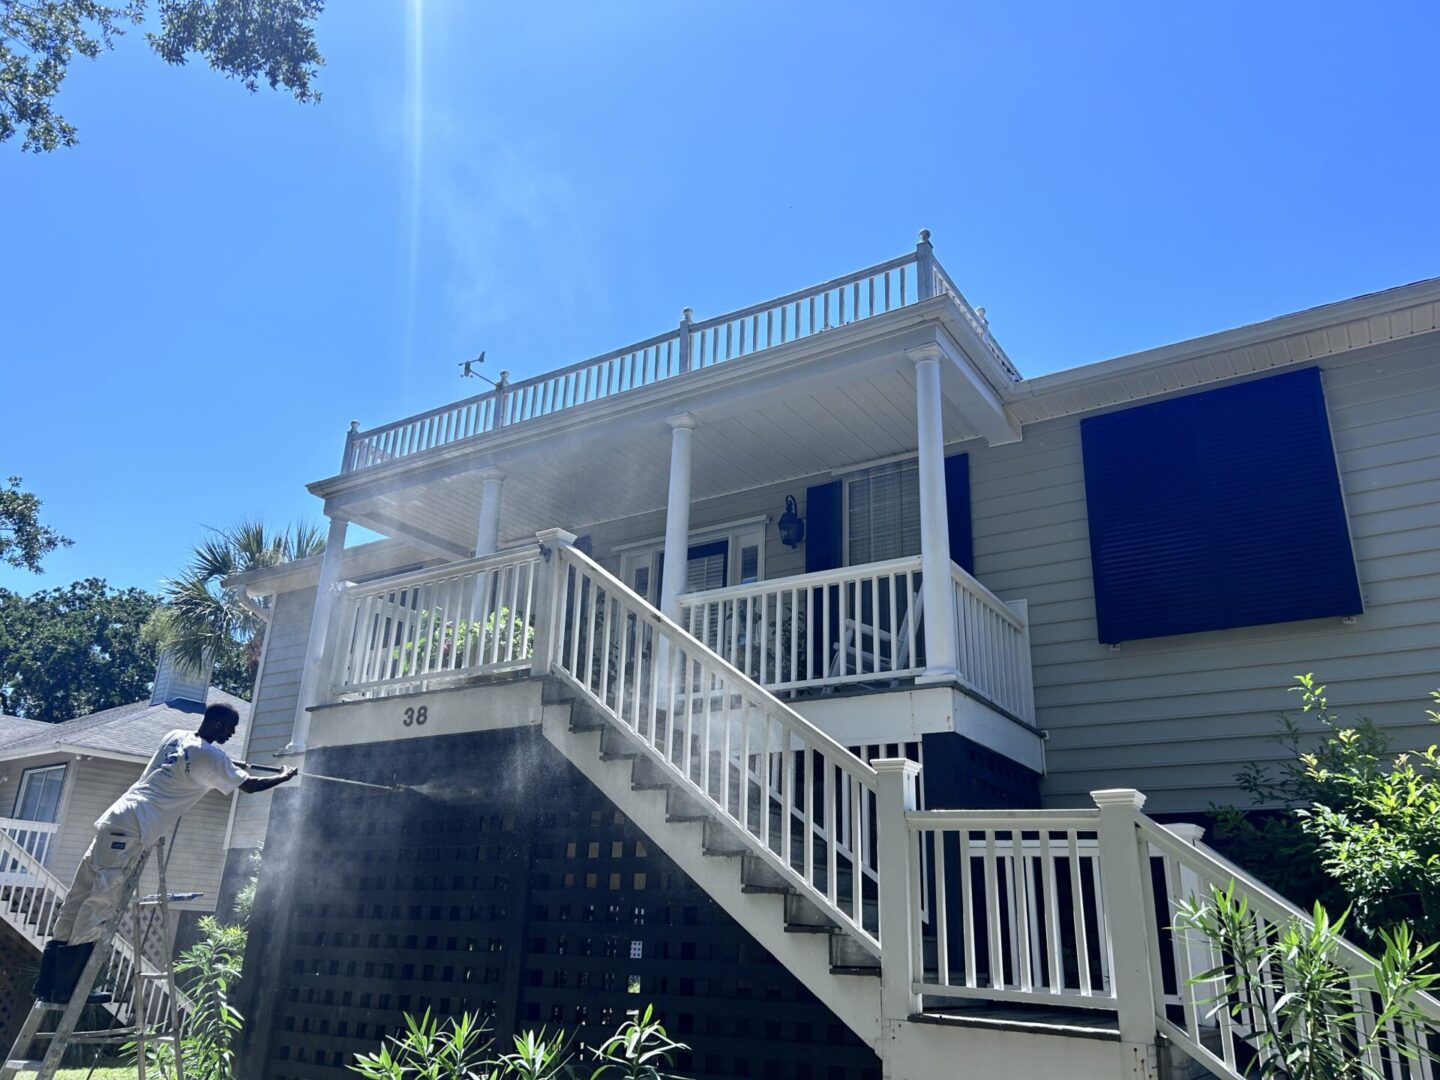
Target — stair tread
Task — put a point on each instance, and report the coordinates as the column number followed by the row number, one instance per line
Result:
column 1068, row 1022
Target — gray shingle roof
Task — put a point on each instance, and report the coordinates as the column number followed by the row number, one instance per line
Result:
column 132, row 730
column 13, row 728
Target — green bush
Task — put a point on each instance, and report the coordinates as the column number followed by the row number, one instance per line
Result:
column 1286, row 988
column 1359, row 825
column 460, row 1048
column 213, row 966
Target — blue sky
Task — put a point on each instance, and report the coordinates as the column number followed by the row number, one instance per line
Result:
column 199, row 298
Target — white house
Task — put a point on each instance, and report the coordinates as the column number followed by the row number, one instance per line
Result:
column 926, row 603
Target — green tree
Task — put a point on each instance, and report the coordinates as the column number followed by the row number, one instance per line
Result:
column 23, row 540
column 248, row 40
column 75, row 650
column 202, row 617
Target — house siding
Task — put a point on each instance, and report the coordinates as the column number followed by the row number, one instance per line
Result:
column 1177, row 717
column 272, row 714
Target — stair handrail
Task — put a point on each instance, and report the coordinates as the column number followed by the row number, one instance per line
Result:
column 795, row 725
column 1191, row 867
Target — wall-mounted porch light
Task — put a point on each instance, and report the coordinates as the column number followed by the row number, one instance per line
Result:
column 792, row 528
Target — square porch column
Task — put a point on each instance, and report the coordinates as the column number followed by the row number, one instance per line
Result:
column 939, row 593
column 311, row 691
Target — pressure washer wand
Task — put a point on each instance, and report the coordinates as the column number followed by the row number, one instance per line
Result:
column 319, row 776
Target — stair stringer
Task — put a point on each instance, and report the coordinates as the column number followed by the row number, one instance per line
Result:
column 856, row 1001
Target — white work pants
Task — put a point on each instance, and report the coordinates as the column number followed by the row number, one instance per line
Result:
column 99, row 882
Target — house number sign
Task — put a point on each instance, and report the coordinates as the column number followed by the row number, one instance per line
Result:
column 416, row 717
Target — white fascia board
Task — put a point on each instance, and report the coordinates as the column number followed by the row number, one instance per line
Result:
column 71, row 750
column 1283, row 326
column 700, row 391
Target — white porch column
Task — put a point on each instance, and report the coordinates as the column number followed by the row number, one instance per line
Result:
column 677, row 515
column 311, row 689
column 487, row 529
column 940, row 652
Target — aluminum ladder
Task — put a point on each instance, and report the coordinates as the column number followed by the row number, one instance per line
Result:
column 64, row 1035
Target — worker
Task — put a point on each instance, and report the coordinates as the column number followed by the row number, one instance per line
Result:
column 187, row 766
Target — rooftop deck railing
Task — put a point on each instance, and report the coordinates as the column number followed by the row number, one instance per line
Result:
column 852, row 298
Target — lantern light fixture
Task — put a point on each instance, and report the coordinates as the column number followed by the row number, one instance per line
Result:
column 791, row 526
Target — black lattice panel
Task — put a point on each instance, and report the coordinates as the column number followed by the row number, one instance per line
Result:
column 527, row 896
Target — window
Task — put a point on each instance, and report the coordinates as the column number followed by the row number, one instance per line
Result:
column 1217, row 510
column 882, row 513
column 38, row 799
column 39, row 796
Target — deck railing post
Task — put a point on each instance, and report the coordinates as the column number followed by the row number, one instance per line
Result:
column 502, row 388
column 549, row 587
column 347, row 460
column 685, row 317
column 924, row 267
column 1122, row 877
column 897, row 780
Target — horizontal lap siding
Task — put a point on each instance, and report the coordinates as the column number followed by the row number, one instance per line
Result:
column 272, row 714
column 1177, row 717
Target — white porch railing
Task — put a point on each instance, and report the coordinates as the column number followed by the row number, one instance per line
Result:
column 856, row 624
column 434, row 627
column 1018, row 907
column 993, row 639
column 34, row 837
column 1198, row 1016
column 30, row 901
column 875, row 290
column 800, row 800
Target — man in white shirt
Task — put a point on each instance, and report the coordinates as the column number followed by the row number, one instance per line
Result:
column 183, row 771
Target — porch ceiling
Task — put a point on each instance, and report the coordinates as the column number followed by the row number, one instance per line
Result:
column 792, row 417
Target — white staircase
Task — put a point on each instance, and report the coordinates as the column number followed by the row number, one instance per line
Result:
column 30, row 899
column 989, row 943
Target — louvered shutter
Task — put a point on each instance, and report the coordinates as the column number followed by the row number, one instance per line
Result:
column 1217, row 510
column 957, row 511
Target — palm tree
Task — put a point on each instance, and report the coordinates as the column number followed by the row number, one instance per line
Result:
column 201, row 617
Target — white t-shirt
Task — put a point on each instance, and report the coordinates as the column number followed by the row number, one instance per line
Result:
column 178, row 776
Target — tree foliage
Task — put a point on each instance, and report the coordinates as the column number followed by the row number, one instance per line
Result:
column 202, row 617
column 1359, row 825
column 23, row 540
column 249, row 40
column 71, row 651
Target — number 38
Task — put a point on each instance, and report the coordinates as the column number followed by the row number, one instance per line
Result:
column 414, row 717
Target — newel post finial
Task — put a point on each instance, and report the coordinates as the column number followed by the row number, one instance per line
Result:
column 924, row 267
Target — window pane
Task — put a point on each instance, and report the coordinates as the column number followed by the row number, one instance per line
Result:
column 749, row 564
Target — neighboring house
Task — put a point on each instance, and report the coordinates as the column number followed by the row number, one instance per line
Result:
column 56, row 779
column 894, row 548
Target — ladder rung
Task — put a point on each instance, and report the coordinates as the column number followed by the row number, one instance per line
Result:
column 23, row 1065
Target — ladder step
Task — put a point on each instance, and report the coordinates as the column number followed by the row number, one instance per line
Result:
column 22, row 1065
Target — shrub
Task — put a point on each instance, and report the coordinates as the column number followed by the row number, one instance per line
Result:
column 1296, row 1004
column 459, row 1048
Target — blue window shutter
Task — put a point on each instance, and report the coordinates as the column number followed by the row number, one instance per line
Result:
column 1217, row 510
column 824, row 534
column 957, row 511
